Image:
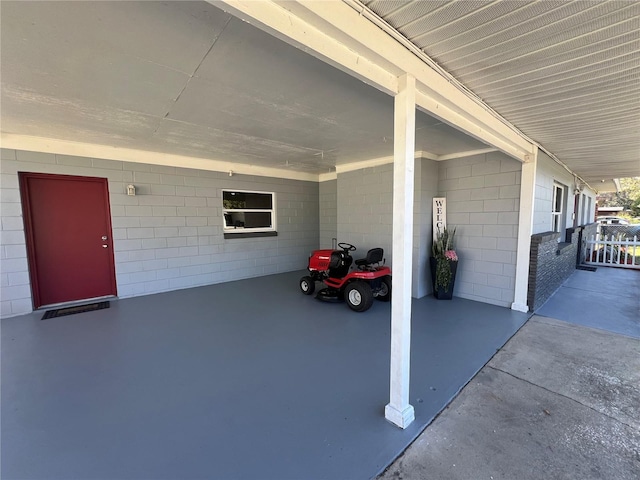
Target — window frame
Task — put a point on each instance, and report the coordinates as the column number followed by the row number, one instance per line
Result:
column 557, row 217
column 244, row 231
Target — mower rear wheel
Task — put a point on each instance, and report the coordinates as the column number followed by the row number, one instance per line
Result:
column 384, row 295
column 358, row 296
column 307, row 285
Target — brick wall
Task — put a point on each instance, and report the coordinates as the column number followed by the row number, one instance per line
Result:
column 551, row 263
column 169, row 236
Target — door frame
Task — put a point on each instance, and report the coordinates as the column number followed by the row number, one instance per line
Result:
column 23, row 178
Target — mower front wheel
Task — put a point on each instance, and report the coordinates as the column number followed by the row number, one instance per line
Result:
column 307, row 285
column 358, row 296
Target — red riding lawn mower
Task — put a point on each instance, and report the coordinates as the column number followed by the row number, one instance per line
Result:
column 359, row 287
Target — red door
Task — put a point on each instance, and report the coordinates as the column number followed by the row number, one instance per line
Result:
column 68, row 229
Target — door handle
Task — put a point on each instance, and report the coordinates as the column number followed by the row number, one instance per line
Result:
column 104, row 245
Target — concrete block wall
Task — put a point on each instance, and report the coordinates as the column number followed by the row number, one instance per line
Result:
column 547, row 173
column 483, row 193
column 328, row 192
column 426, row 187
column 169, row 236
column 365, row 205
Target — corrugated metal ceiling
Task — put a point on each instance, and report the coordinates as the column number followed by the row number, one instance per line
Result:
column 566, row 74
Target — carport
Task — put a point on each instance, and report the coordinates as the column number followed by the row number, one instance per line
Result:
column 246, row 379
column 347, row 124
column 186, row 85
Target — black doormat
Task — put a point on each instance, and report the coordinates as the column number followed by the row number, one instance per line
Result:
column 61, row 312
column 588, row 268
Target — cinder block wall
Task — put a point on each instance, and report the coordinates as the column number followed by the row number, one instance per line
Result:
column 426, row 187
column 169, row 236
column 483, row 193
column 365, row 204
column 328, row 212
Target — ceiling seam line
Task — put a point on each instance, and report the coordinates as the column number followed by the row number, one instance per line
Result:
column 465, row 32
column 474, row 12
column 529, row 72
column 614, row 93
column 573, row 87
column 556, row 75
column 564, row 53
column 215, row 40
column 546, row 26
column 513, row 27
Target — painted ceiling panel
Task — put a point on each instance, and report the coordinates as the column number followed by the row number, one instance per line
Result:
column 185, row 78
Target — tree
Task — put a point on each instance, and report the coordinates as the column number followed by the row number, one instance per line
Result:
column 628, row 197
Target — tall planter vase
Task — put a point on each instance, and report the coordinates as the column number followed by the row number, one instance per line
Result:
column 440, row 292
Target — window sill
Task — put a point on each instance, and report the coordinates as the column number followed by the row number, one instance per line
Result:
column 250, row 234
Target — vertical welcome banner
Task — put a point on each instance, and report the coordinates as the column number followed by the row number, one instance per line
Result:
column 439, row 215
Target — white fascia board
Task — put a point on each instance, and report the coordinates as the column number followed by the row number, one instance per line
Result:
column 468, row 153
column 353, row 43
column 326, row 177
column 106, row 152
column 375, row 162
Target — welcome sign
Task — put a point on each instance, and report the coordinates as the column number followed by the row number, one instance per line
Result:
column 439, row 214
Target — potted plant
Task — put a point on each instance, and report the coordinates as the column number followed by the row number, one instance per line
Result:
column 444, row 264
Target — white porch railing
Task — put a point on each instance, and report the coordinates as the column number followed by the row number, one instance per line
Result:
column 613, row 252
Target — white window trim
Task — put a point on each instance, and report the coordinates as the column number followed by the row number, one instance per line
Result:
column 243, row 230
column 557, row 216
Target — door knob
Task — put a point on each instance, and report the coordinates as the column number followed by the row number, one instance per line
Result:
column 104, row 245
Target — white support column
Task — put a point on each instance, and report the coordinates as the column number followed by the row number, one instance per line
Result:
column 398, row 411
column 525, row 229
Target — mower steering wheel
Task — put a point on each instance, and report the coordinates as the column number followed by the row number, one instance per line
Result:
column 347, row 247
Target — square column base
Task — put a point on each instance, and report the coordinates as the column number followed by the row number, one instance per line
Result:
column 520, row 307
column 400, row 418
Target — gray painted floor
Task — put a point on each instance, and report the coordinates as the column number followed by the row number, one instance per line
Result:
column 244, row 380
column 608, row 298
column 559, row 401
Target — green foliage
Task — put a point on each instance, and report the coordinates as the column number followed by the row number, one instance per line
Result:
column 628, row 197
column 444, row 253
column 444, row 241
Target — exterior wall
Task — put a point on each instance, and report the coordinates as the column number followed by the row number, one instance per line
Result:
column 551, row 264
column 426, row 187
column 328, row 192
column 365, row 201
column 548, row 172
column 483, row 193
column 554, row 256
column 169, row 236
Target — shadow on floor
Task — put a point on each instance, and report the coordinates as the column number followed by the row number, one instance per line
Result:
column 248, row 379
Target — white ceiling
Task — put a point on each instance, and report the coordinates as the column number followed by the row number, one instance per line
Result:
column 186, row 78
column 565, row 73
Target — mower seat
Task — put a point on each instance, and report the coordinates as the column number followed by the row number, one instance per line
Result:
column 375, row 255
column 339, row 264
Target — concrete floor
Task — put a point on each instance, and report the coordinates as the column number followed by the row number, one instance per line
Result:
column 243, row 380
column 560, row 400
column 608, row 298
